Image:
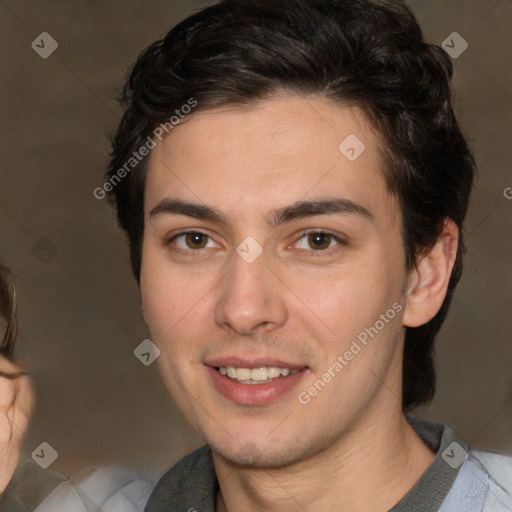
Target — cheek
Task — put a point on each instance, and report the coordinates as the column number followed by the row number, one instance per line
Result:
column 162, row 295
column 171, row 317
column 177, row 302
column 340, row 303
column 339, row 296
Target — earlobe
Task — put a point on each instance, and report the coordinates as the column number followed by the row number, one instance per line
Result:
column 428, row 281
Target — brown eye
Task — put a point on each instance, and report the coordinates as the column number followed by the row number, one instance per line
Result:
column 196, row 240
column 191, row 242
column 319, row 241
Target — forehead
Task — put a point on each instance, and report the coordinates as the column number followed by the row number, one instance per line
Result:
column 246, row 159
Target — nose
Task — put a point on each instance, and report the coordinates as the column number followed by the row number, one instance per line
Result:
column 251, row 298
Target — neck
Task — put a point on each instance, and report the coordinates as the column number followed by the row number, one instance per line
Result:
column 369, row 470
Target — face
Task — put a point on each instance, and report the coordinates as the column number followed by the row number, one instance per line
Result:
column 273, row 276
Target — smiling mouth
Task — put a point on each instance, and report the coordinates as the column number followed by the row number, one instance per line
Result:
column 260, row 375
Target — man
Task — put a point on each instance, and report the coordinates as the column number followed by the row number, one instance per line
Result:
column 293, row 184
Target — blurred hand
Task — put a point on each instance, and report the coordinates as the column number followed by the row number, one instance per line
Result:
column 16, row 405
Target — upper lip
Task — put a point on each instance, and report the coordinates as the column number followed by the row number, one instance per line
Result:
column 253, row 362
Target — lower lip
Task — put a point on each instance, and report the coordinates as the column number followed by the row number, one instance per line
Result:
column 254, row 394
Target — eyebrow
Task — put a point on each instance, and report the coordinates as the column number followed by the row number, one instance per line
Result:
column 298, row 210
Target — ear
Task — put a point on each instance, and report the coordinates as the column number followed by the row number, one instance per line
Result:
column 428, row 281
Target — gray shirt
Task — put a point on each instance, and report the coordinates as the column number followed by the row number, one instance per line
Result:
column 191, row 485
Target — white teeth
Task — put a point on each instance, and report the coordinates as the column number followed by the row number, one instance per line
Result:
column 259, row 374
column 273, row 372
column 255, row 375
column 243, row 374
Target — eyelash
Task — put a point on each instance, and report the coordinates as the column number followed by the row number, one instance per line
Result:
column 322, row 252
column 305, row 233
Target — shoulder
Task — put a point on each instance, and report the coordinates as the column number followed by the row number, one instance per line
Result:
column 28, row 487
column 484, row 484
column 110, row 488
column 498, row 471
column 498, row 464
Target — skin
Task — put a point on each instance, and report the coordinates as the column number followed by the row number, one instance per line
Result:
column 16, row 405
column 350, row 448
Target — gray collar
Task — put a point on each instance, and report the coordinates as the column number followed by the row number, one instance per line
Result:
column 432, row 488
column 192, row 484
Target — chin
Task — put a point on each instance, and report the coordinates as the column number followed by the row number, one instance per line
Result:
column 252, row 457
column 266, row 455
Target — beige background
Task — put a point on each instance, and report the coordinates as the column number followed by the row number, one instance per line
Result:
column 79, row 306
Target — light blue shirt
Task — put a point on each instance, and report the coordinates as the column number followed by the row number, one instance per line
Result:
column 484, row 484
column 458, row 480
